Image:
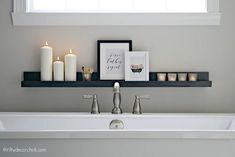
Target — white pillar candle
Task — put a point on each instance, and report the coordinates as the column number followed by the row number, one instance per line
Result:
column 70, row 67
column 46, row 63
column 58, row 70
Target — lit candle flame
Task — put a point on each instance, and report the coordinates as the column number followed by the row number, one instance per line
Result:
column 70, row 51
column 46, row 43
column 58, row 58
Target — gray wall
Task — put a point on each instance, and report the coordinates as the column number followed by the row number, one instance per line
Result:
column 179, row 48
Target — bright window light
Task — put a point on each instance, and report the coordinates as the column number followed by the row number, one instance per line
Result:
column 118, row 6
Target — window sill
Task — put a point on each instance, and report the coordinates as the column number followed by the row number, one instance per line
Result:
column 114, row 19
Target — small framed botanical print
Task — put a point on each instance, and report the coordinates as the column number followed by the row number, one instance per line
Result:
column 137, row 66
column 111, row 58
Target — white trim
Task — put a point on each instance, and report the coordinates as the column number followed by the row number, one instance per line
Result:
column 19, row 6
column 21, row 18
column 54, row 19
column 212, row 6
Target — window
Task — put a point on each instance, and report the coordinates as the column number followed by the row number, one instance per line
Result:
column 117, row 6
column 116, row 12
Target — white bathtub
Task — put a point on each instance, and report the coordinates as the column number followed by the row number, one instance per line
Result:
column 86, row 135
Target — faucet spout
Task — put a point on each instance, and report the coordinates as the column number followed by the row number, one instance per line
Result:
column 116, row 99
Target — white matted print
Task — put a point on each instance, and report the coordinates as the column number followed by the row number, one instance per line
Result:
column 112, row 60
column 137, row 66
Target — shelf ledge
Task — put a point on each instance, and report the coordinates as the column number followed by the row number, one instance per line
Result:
column 32, row 79
column 122, row 84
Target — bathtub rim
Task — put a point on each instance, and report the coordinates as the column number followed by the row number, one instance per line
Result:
column 120, row 134
column 196, row 135
column 105, row 114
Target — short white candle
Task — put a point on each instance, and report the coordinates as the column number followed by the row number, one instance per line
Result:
column 58, row 70
column 46, row 63
column 70, row 66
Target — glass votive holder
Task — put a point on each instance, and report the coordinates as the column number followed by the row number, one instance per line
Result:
column 193, row 76
column 161, row 76
column 172, row 76
column 86, row 76
column 182, row 76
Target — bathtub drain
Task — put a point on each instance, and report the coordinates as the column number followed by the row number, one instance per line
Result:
column 116, row 124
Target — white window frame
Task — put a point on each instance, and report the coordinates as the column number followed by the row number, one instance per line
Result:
column 21, row 17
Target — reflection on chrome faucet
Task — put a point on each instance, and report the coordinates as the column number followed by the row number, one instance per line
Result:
column 117, row 99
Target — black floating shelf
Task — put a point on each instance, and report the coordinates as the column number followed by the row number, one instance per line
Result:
column 32, row 79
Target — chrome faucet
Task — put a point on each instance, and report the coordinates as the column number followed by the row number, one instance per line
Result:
column 116, row 99
column 137, row 106
column 95, row 105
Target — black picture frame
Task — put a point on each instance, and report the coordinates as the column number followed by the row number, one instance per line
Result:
column 99, row 42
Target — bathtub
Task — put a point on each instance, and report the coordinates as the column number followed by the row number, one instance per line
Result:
column 86, row 135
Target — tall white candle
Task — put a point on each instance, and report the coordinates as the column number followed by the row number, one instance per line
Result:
column 46, row 63
column 58, row 70
column 70, row 67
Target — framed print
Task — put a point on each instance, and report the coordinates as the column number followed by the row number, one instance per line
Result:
column 137, row 66
column 111, row 58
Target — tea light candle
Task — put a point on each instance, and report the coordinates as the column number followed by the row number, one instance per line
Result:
column 182, row 76
column 46, row 63
column 70, row 66
column 161, row 76
column 192, row 76
column 58, row 70
column 172, row 76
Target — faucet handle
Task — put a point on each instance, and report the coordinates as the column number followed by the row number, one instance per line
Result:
column 95, row 105
column 88, row 96
column 147, row 97
column 137, row 106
